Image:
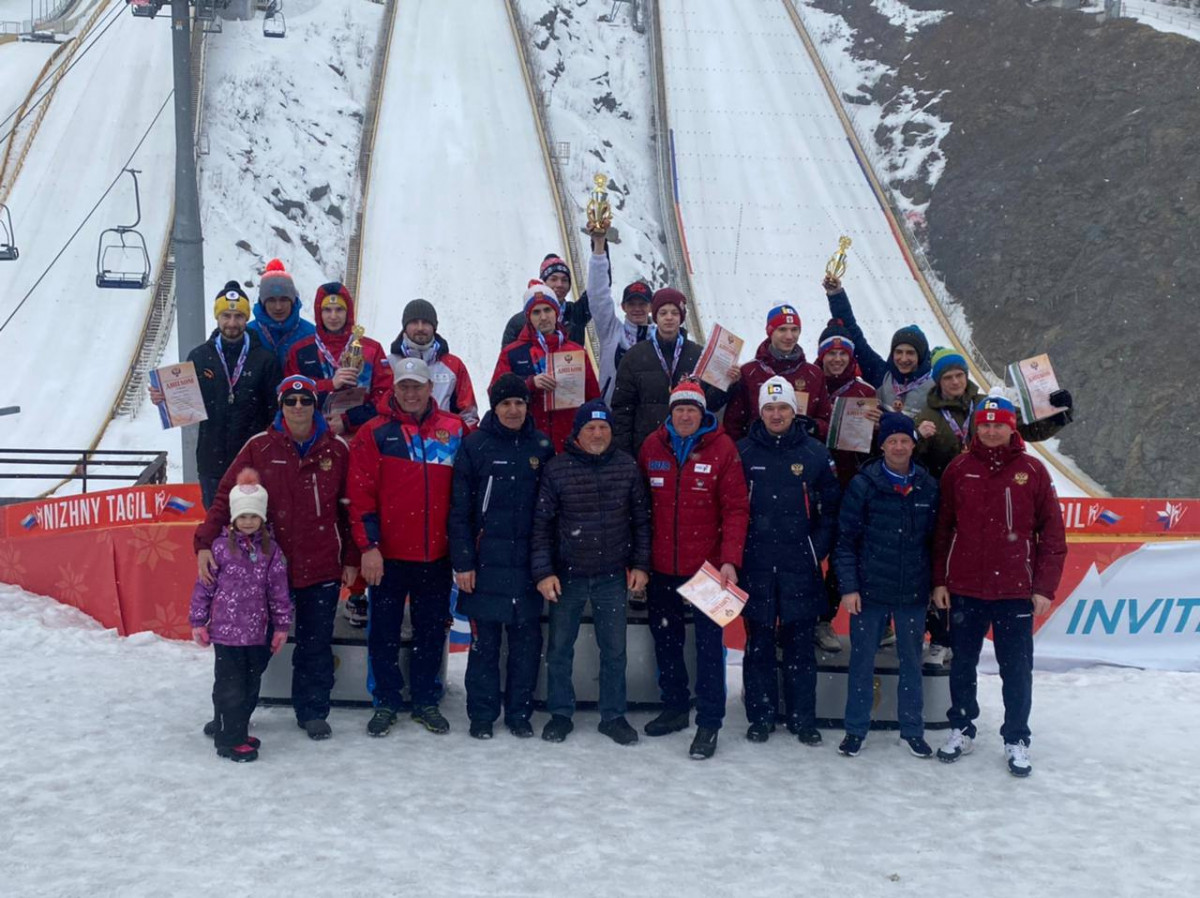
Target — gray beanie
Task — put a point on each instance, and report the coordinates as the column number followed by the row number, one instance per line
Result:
column 419, row 309
column 276, row 281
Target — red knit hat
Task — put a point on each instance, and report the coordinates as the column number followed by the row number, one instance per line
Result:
column 688, row 391
column 668, row 296
column 996, row 409
column 781, row 315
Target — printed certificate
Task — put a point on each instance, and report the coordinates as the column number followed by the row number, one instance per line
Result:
column 849, row 427
column 182, row 402
column 720, row 358
column 569, row 372
column 705, row 593
column 1035, row 381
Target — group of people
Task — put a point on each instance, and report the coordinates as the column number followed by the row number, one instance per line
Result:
column 373, row 471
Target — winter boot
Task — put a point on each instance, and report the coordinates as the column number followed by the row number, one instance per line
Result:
column 827, row 641
column 619, row 731
column 210, row 729
column 557, row 728
column 481, row 729
column 1017, row 755
column 704, row 746
column 430, row 717
column 958, row 743
column 809, row 736
column 522, row 728
column 355, row 610
column 316, row 729
column 668, row 722
column 381, row 722
column 240, row 753
column 759, row 732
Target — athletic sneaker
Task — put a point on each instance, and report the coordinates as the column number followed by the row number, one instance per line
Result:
column 918, row 747
column 936, row 657
column 851, row 745
column 430, row 717
column 481, row 729
column 381, row 722
column 557, row 728
column 1017, row 754
column 958, row 743
column 704, row 746
column 355, row 610
column 240, row 753
column 619, row 731
column 760, row 732
column 827, row 641
column 809, row 736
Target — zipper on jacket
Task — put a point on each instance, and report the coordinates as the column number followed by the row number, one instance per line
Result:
column 425, row 472
column 487, row 497
column 950, row 555
column 678, row 481
column 1008, row 507
column 316, row 495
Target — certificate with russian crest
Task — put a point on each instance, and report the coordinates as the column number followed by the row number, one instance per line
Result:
column 182, row 402
column 568, row 368
column 704, row 592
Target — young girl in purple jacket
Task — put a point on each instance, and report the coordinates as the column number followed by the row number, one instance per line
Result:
column 249, row 591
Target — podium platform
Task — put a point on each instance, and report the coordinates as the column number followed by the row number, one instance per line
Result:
column 641, row 674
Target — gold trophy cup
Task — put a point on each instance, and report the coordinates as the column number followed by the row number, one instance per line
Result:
column 352, row 355
column 599, row 212
column 836, row 266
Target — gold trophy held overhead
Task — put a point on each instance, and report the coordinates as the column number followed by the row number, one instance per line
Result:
column 835, row 268
column 599, row 211
column 352, row 355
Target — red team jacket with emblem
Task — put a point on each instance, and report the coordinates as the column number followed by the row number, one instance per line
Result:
column 400, row 482
column 803, row 375
column 699, row 511
column 1000, row 532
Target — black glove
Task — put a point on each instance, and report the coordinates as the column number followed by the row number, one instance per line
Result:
column 1062, row 399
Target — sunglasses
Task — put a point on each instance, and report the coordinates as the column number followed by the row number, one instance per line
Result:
column 299, row 400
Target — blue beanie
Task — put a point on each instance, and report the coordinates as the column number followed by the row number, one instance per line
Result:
column 892, row 423
column 593, row 410
column 945, row 360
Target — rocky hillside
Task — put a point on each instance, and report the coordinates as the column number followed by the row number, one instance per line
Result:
column 1067, row 219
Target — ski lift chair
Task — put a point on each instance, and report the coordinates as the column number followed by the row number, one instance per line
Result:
column 122, row 261
column 8, row 239
column 145, row 9
column 206, row 14
column 274, row 24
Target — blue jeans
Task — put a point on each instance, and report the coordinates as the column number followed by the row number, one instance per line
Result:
column 607, row 595
column 761, row 679
column 312, row 655
column 1011, row 621
column 483, row 670
column 426, row 585
column 866, row 629
column 666, row 613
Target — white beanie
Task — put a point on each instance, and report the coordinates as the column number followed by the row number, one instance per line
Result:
column 248, row 496
column 777, row 389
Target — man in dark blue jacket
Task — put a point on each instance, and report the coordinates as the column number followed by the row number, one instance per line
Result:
column 794, row 495
column 591, row 542
column 496, row 475
column 883, row 559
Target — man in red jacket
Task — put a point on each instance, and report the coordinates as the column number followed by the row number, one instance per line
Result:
column 699, row 512
column 400, row 483
column 779, row 355
column 997, row 558
column 527, row 358
column 303, row 467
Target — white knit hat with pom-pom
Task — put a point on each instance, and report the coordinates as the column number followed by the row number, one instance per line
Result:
column 248, row 496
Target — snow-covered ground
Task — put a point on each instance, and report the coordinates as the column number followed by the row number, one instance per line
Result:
column 460, row 210
column 72, row 341
column 109, row 788
column 1173, row 18
column 594, row 75
column 20, row 63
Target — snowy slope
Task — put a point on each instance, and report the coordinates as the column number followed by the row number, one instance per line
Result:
column 768, row 181
column 1169, row 17
column 109, row 788
column 594, row 75
column 460, row 210
column 68, row 327
column 20, row 63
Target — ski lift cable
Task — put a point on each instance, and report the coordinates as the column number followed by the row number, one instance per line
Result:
column 92, row 212
column 95, row 37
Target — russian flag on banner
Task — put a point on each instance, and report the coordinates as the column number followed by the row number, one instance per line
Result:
column 178, row 505
column 29, row 521
column 1108, row 517
column 460, row 627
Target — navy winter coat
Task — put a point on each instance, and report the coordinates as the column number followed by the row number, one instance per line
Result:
column 593, row 516
column 496, row 477
column 794, row 495
column 884, row 539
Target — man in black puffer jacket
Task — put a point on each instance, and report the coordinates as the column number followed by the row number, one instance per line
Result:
column 884, row 564
column 794, row 495
column 496, row 475
column 591, row 542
